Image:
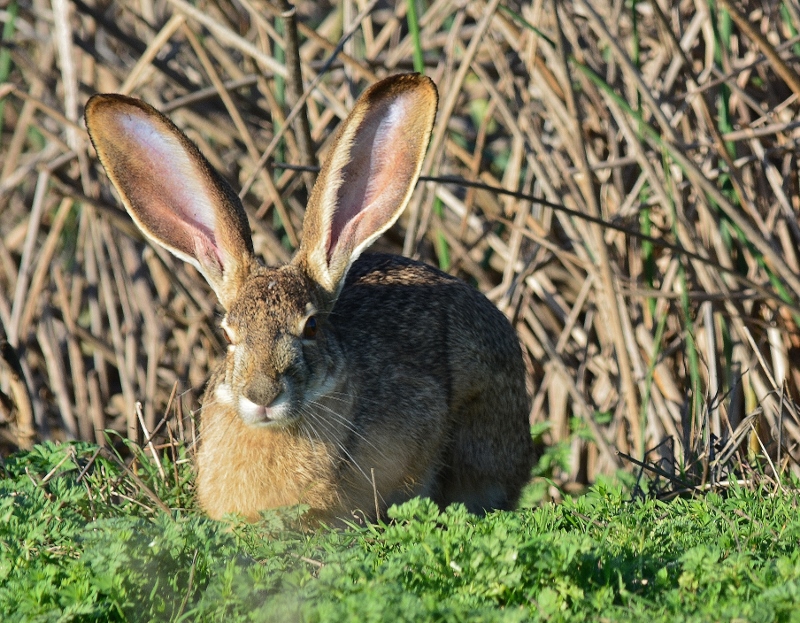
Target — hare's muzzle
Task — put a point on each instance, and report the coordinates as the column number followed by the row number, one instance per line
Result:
column 259, row 408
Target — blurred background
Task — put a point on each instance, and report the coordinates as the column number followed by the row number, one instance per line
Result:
column 619, row 178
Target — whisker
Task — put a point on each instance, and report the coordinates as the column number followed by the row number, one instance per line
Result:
column 350, row 426
column 325, row 426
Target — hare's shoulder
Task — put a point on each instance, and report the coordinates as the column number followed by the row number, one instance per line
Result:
column 418, row 299
column 378, row 283
column 385, row 269
column 408, row 303
column 399, row 300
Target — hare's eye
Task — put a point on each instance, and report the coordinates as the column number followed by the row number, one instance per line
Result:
column 227, row 335
column 310, row 329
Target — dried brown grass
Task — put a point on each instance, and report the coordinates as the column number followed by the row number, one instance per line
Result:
column 611, row 125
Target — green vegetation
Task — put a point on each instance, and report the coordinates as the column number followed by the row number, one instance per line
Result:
column 83, row 537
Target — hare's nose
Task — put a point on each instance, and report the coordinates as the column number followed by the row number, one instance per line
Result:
column 264, row 391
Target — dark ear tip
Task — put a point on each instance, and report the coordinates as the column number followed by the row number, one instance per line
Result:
column 115, row 98
column 101, row 103
column 398, row 83
column 95, row 102
column 102, row 100
column 96, row 108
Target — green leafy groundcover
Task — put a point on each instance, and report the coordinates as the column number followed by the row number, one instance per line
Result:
column 81, row 541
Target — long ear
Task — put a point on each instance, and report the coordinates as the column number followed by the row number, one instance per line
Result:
column 171, row 191
column 368, row 177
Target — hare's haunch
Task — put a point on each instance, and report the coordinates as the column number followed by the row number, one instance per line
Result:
column 347, row 376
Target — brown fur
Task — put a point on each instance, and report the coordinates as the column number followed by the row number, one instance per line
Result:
column 348, row 377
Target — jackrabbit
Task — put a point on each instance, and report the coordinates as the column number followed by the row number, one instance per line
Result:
column 350, row 382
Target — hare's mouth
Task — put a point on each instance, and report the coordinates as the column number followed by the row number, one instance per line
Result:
column 277, row 413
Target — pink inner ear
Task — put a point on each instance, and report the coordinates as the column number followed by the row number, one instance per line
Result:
column 167, row 192
column 375, row 179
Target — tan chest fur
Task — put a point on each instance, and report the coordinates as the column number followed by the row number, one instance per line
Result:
column 245, row 469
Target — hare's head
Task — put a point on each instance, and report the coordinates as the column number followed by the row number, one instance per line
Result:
column 283, row 353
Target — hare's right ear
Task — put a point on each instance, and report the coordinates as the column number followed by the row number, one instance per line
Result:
column 171, row 191
column 367, row 180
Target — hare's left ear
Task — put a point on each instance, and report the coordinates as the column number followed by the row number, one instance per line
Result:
column 369, row 175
